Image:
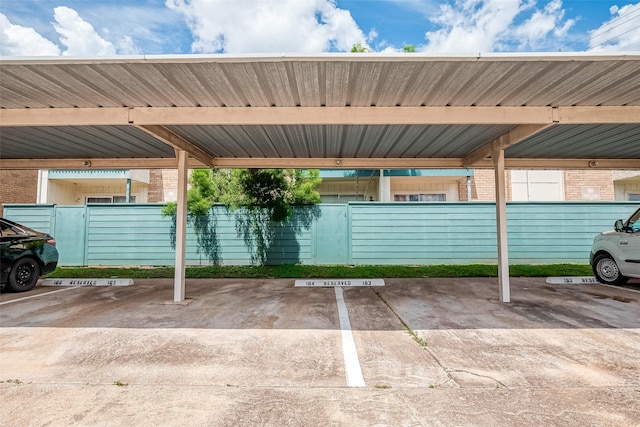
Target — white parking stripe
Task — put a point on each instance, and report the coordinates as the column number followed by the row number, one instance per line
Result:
column 35, row 296
column 351, row 362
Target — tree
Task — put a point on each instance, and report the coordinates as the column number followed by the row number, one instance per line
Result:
column 275, row 190
column 409, row 48
column 258, row 197
column 359, row 48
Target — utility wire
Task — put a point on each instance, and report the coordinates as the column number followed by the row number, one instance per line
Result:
column 615, row 37
column 607, row 28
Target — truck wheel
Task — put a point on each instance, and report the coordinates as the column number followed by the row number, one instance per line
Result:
column 607, row 271
column 23, row 275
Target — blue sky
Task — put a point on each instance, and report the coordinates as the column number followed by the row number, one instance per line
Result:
column 121, row 27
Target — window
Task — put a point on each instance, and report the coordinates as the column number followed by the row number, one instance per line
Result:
column 109, row 199
column 10, row 230
column 538, row 185
column 123, row 199
column 634, row 197
column 341, row 198
column 419, row 197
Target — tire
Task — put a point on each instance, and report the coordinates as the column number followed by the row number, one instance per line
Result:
column 607, row 271
column 23, row 275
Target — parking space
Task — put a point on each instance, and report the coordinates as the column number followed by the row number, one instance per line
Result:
column 238, row 352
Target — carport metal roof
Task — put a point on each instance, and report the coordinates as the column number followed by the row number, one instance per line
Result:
column 363, row 110
column 326, row 111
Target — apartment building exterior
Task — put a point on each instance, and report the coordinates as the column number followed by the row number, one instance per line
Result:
column 79, row 187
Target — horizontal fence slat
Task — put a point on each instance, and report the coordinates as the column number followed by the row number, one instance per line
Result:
column 376, row 233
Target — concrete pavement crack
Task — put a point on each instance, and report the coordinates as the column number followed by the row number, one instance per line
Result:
column 498, row 382
column 423, row 343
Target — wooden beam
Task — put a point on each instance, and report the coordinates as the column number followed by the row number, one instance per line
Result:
column 64, row 117
column 318, row 115
column 313, row 163
column 177, row 142
column 598, row 115
column 508, row 139
column 632, row 164
column 131, row 163
column 337, row 163
column 339, row 115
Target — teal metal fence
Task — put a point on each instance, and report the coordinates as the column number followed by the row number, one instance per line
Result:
column 357, row 233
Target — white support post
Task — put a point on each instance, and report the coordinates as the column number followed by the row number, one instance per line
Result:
column 384, row 187
column 181, row 228
column 43, row 186
column 501, row 226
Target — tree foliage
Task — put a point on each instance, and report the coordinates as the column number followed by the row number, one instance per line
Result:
column 359, row 48
column 274, row 190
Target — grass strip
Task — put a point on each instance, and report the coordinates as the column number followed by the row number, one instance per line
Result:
column 323, row 271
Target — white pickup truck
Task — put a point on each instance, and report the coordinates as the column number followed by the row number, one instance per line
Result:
column 615, row 254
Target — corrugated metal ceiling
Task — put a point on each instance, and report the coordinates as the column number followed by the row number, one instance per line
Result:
column 325, row 80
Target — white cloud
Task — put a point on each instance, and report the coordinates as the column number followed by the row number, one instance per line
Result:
column 473, row 26
column 79, row 36
column 241, row 26
column 533, row 33
column 620, row 33
column 16, row 40
column 126, row 46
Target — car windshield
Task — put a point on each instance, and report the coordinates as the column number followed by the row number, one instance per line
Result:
column 634, row 221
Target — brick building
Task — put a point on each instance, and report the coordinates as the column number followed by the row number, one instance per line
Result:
column 18, row 186
column 160, row 185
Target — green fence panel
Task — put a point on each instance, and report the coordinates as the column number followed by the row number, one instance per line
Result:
column 38, row 217
column 134, row 234
column 423, row 233
column 463, row 233
column 556, row 232
column 358, row 233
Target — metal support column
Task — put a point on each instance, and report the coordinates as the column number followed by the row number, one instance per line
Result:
column 501, row 226
column 181, row 228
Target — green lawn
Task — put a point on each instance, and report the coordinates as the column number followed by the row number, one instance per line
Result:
column 332, row 271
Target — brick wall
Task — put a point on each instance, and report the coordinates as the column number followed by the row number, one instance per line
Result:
column 163, row 185
column 589, row 184
column 18, row 186
column 483, row 185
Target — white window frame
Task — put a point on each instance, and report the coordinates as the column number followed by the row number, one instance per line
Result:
column 410, row 193
column 86, row 199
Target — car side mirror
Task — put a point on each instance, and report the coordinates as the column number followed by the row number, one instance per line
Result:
column 619, row 225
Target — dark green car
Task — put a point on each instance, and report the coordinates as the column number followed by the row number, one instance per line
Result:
column 25, row 255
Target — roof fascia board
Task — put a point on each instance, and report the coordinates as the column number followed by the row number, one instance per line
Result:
column 323, row 57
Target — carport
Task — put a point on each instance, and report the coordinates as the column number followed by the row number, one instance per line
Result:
column 323, row 111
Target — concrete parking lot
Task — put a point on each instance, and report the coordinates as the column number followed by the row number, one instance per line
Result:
column 261, row 352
